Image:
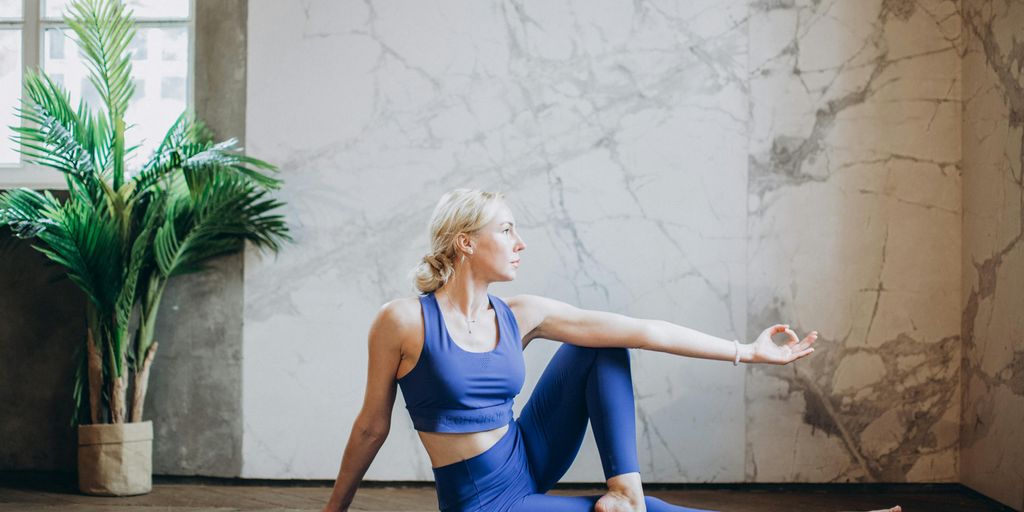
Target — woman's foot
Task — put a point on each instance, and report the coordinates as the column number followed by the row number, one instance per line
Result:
column 625, row 494
column 615, row 501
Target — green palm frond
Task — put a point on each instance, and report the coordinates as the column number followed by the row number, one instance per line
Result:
column 141, row 249
column 104, row 30
column 56, row 135
column 226, row 156
column 86, row 242
column 168, row 155
column 227, row 211
column 27, row 212
column 187, row 128
column 188, row 147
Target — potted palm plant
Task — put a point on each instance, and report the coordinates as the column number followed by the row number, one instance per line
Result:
column 121, row 236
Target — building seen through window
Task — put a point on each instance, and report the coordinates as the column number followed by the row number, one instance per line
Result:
column 161, row 65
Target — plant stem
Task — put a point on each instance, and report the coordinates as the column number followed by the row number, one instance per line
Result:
column 95, row 366
column 141, row 383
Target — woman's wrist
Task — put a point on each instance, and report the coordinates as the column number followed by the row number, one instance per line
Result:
column 747, row 353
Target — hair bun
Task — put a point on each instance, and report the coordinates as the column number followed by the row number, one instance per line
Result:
column 434, row 262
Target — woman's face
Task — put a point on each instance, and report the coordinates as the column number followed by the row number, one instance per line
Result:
column 496, row 249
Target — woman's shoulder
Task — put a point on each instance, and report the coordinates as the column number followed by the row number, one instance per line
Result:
column 529, row 311
column 526, row 301
column 403, row 312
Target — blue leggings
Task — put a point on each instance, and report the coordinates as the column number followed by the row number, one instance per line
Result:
column 579, row 384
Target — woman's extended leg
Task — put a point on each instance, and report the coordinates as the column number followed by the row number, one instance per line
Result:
column 545, row 503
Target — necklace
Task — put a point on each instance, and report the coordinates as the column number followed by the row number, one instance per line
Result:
column 469, row 327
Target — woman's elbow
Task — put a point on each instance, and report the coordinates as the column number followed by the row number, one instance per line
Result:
column 373, row 428
column 650, row 336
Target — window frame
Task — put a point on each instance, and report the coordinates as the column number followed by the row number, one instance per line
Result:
column 33, row 26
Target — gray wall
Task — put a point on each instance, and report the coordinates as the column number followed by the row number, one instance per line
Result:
column 194, row 397
column 42, row 323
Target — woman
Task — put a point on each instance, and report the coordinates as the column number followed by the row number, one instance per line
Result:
column 456, row 352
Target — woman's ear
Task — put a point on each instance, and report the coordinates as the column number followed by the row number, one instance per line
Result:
column 464, row 243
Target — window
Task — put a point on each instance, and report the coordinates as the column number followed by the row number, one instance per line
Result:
column 33, row 33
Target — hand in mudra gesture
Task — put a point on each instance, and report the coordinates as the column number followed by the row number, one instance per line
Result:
column 766, row 351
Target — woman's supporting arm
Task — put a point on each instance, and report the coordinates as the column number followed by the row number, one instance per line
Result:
column 363, row 444
column 394, row 322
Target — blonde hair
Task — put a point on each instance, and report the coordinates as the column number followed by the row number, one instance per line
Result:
column 461, row 210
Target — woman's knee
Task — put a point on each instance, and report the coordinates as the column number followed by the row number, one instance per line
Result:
column 616, row 354
column 599, row 355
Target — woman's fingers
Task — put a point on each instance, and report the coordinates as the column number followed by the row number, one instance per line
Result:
column 801, row 344
column 809, row 340
column 796, row 348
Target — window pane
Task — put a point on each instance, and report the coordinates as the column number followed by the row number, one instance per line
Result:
column 55, row 44
column 161, row 86
column 10, row 92
column 139, row 46
column 142, row 9
column 10, row 8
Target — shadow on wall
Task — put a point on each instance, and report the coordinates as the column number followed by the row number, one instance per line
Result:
column 37, row 357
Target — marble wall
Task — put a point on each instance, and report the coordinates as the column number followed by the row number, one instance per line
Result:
column 992, row 455
column 724, row 165
column 854, row 222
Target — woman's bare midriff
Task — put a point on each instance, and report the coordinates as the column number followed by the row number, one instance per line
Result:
column 449, row 448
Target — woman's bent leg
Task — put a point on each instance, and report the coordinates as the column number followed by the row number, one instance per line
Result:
column 578, row 384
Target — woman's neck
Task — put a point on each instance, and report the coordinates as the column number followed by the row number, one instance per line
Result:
column 468, row 298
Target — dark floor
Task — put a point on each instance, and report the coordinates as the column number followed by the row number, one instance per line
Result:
column 42, row 492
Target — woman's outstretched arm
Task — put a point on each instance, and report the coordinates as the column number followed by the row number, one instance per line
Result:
column 555, row 320
column 373, row 423
column 676, row 339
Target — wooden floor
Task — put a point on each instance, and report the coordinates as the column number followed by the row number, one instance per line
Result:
column 33, row 493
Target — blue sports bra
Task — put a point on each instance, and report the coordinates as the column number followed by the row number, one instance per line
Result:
column 453, row 390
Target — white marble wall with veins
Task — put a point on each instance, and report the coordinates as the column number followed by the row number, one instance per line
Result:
column 854, row 220
column 992, row 454
column 722, row 165
column 619, row 135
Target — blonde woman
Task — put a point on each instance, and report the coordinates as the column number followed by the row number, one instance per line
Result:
column 457, row 353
